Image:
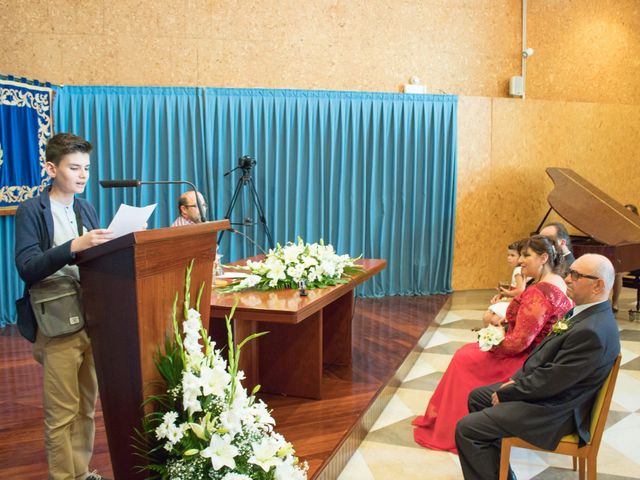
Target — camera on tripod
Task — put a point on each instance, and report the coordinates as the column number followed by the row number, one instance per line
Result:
column 246, row 162
column 245, row 183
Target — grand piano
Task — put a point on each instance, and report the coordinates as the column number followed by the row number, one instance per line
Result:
column 613, row 231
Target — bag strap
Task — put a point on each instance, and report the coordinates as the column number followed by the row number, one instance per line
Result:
column 76, row 209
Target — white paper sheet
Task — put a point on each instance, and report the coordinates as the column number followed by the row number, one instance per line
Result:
column 130, row 219
column 233, row 275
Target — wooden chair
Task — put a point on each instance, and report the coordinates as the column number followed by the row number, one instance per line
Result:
column 569, row 443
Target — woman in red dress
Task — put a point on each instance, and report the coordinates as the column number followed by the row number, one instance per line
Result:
column 530, row 317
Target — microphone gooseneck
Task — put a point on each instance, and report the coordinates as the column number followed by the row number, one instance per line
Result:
column 233, row 230
column 138, row 183
column 119, row 183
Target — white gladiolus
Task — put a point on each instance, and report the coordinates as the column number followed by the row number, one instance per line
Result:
column 250, row 281
column 232, row 420
column 214, row 381
column 215, row 429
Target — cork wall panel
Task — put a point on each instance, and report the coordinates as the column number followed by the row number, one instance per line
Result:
column 585, row 51
column 598, row 141
column 61, row 17
column 37, row 55
column 462, row 47
column 475, row 202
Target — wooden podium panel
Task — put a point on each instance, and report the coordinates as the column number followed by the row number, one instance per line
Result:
column 305, row 332
column 128, row 286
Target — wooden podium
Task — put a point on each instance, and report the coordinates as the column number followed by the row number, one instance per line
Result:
column 128, row 286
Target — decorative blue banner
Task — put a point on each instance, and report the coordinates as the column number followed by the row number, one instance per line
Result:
column 25, row 127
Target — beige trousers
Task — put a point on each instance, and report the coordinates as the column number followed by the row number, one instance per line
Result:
column 70, row 391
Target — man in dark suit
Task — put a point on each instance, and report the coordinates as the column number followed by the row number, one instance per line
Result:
column 552, row 394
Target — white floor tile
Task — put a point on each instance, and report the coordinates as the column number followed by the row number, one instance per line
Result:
column 356, row 469
column 623, row 436
column 626, row 391
column 421, row 368
column 395, row 411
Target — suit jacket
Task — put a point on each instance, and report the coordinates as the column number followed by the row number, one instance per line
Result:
column 34, row 255
column 35, row 259
column 554, row 390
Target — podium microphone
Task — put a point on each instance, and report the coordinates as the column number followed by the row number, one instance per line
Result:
column 138, row 183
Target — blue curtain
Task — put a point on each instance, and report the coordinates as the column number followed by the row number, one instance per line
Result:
column 12, row 286
column 374, row 174
column 137, row 133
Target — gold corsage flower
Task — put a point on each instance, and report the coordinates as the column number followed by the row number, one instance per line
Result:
column 560, row 327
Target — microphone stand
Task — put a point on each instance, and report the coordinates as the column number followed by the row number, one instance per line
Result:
column 138, row 183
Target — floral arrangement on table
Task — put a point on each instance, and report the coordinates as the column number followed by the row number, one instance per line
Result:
column 206, row 426
column 490, row 336
column 315, row 264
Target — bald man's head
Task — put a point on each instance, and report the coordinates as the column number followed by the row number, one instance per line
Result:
column 590, row 279
column 188, row 207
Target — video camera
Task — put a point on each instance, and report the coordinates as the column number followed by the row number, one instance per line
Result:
column 246, row 162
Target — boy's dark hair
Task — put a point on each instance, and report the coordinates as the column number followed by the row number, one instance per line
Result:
column 517, row 245
column 63, row 144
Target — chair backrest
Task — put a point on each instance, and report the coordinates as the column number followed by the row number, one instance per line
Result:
column 600, row 409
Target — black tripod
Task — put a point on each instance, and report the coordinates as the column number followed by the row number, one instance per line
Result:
column 245, row 163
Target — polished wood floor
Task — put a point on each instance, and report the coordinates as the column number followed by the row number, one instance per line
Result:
column 385, row 331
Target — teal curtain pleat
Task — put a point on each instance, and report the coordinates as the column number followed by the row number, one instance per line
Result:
column 12, row 286
column 137, row 133
column 374, row 174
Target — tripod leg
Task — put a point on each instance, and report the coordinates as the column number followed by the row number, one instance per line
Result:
column 261, row 216
column 234, row 200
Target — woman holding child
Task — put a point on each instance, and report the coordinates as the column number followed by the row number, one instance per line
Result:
column 530, row 317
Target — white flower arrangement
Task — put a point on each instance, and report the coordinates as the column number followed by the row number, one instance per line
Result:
column 490, row 336
column 315, row 264
column 206, row 426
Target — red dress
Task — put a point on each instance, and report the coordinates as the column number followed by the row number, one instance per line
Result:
column 531, row 316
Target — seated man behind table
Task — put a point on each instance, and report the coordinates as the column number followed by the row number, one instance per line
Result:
column 189, row 212
column 556, row 231
column 552, row 394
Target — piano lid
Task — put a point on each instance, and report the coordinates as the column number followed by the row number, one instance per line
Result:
column 589, row 209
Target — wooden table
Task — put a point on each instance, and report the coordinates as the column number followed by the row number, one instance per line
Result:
column 304, row 332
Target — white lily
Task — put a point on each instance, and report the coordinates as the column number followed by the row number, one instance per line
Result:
column 265, row 454
column 221, row 452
